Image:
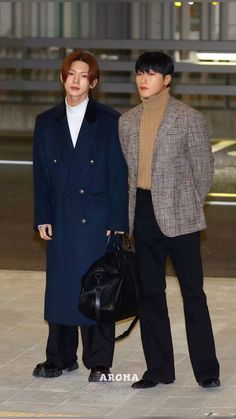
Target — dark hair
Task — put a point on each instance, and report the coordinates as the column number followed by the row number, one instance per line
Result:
column 156, row 61
column 84, row 56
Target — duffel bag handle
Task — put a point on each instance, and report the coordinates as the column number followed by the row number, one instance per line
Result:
column 114, row 241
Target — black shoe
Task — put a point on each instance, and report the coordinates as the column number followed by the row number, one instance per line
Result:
column 148, row 383
column 99, row 374
column 209, row 382
column 48, row 369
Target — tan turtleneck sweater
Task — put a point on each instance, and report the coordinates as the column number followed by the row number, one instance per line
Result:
column 153, row 111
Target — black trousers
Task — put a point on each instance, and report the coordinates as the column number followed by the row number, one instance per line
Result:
column 152, row 248
column 63, row 342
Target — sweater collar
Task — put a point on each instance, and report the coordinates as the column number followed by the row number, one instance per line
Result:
column 156, row 102
column 78, row 109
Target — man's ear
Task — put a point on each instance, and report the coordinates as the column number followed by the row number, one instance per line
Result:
column 167, row 80
column 93, row 84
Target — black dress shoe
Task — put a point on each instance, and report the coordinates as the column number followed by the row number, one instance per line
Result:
column 48, row 369
column 99, row 374
column 148, row 383
column 209, row 382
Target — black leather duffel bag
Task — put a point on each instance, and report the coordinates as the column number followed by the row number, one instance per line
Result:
column 109, row 287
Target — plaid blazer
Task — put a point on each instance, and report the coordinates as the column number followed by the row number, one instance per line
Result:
column 182, row 167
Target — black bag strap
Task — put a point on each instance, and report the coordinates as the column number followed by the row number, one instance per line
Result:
column 123, row 335
column 127, row 332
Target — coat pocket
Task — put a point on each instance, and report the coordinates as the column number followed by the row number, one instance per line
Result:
column 100, row 197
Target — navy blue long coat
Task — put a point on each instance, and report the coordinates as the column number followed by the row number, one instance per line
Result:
column 82, row 192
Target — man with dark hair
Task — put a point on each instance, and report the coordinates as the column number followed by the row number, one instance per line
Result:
column 170, row 165
column 81, row 195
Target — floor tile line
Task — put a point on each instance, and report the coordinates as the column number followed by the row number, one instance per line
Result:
column 36, row 415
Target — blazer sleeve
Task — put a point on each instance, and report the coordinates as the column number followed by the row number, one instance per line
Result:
column 42, row 189
column 201, row 157
column 123, row 136
column 118, row 184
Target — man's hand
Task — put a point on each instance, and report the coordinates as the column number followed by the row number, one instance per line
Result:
column 45, row 231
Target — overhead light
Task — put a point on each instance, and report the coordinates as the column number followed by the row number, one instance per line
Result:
column 216, row 56
column 214, row 3
column 178, row 3
column 191, row 2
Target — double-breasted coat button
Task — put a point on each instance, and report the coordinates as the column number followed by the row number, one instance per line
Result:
column 55, row 161
column 92, row 161
column 83, row 221
column 81, row 191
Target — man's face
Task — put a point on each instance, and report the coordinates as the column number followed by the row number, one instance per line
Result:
column 77, row 84
column 151, row 83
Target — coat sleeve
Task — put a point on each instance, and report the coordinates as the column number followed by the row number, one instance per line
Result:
column 42, row 189
column 118, row 184
column 201, row 157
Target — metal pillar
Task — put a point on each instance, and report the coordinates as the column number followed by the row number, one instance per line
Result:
column 135, row 18
column 84, row 20
column 204, row 22
column 67, row 21
column 224, row 21
column 5, row 19
column 166, row 23
column 184, row 21
column 154, row 20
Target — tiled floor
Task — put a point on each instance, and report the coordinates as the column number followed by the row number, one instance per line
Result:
column 22, row 344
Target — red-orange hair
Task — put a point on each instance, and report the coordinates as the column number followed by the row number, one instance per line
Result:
column 86, row 57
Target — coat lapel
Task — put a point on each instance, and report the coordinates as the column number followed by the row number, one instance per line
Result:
column 63, row 137
column 84, row 141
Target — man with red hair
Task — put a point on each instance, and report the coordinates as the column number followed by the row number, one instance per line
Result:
column 81, row 195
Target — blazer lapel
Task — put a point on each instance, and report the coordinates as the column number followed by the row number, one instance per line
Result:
column 168, row 119
column 134, row 139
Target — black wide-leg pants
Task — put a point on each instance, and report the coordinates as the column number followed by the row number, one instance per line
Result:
column 152, row 248
column 98, row 345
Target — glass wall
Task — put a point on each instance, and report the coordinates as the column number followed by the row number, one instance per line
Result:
column 36, row 35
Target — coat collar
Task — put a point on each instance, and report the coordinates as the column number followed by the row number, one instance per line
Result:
column 90, row 114
column 63, row 138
